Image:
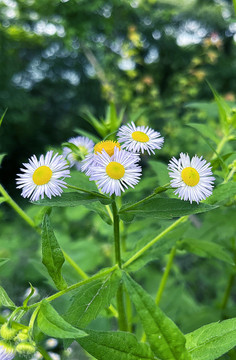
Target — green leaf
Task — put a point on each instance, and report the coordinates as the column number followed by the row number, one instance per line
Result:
column 205, row 131
column 52, row 324
column 91, row 298
column 205, row 135
column 5, row 300
column 163, row 208
column 87, row 134
column 52, row 256
column 206, row 249
column 3, row 261
column 222, row 193
column 223, row 107
column 166, row 340
column 73, row 199
column 1, row 158
column 98, row 125
column 2, row 117
column 100, row 210
column 32, row 291
column 111, row 345
column 213, row 340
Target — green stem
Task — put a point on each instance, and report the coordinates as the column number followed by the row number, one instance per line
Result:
column 116, row 231
column 75, row 266
column 230, row 175
column 122, row 321
column 165, row 275
column 228, row 291
column 120, row 296
column 153, row 241
column 75, row 286
column 220, row 147
column 158, row 190
column 16, row 207
column 44, row 353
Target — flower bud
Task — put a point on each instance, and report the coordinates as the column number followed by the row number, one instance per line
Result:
column 22, row 336
column 25, row 348
column 7, row 333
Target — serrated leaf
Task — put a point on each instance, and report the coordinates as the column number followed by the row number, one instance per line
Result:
column 163, row 208
column 52, row 256
column 118, row 345
column 213, row 340
column 5, row 300
column 222, row 193
column 206, row 249
column 166, row 340
column 91, row 298
column 52, row 324
column 73, row 199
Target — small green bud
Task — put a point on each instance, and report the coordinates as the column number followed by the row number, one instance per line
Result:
column 25, row 348
column 7, row 333
column 22, row 336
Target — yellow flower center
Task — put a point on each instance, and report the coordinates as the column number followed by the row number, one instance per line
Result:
column 42, row 175
column 190, row 176
column 115, row 170
column 107, row 145
column 140, row 136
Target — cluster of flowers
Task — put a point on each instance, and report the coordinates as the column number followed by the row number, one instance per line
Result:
column 15, row 341
column 114, row 165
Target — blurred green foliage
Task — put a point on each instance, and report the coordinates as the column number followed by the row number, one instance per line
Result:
column 60, row 59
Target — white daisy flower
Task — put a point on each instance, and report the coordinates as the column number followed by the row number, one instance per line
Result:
column 85, row 147
column 6, row 351
column 114, row 174
column 108, row 146
column 139, row 138
column 192, row 178
column 43, row 176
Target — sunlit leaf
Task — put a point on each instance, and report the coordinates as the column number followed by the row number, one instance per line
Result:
column 52, row 324
column 166, row 340
column 52, row 255
column 5, row 300
column 111, row 345
column 212, row 340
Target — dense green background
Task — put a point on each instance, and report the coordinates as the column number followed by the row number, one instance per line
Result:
column 59, row 59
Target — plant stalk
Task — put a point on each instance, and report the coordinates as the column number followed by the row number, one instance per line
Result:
column 16, row 207
column 165, row 275
column 122, row 322
column 153, row 241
